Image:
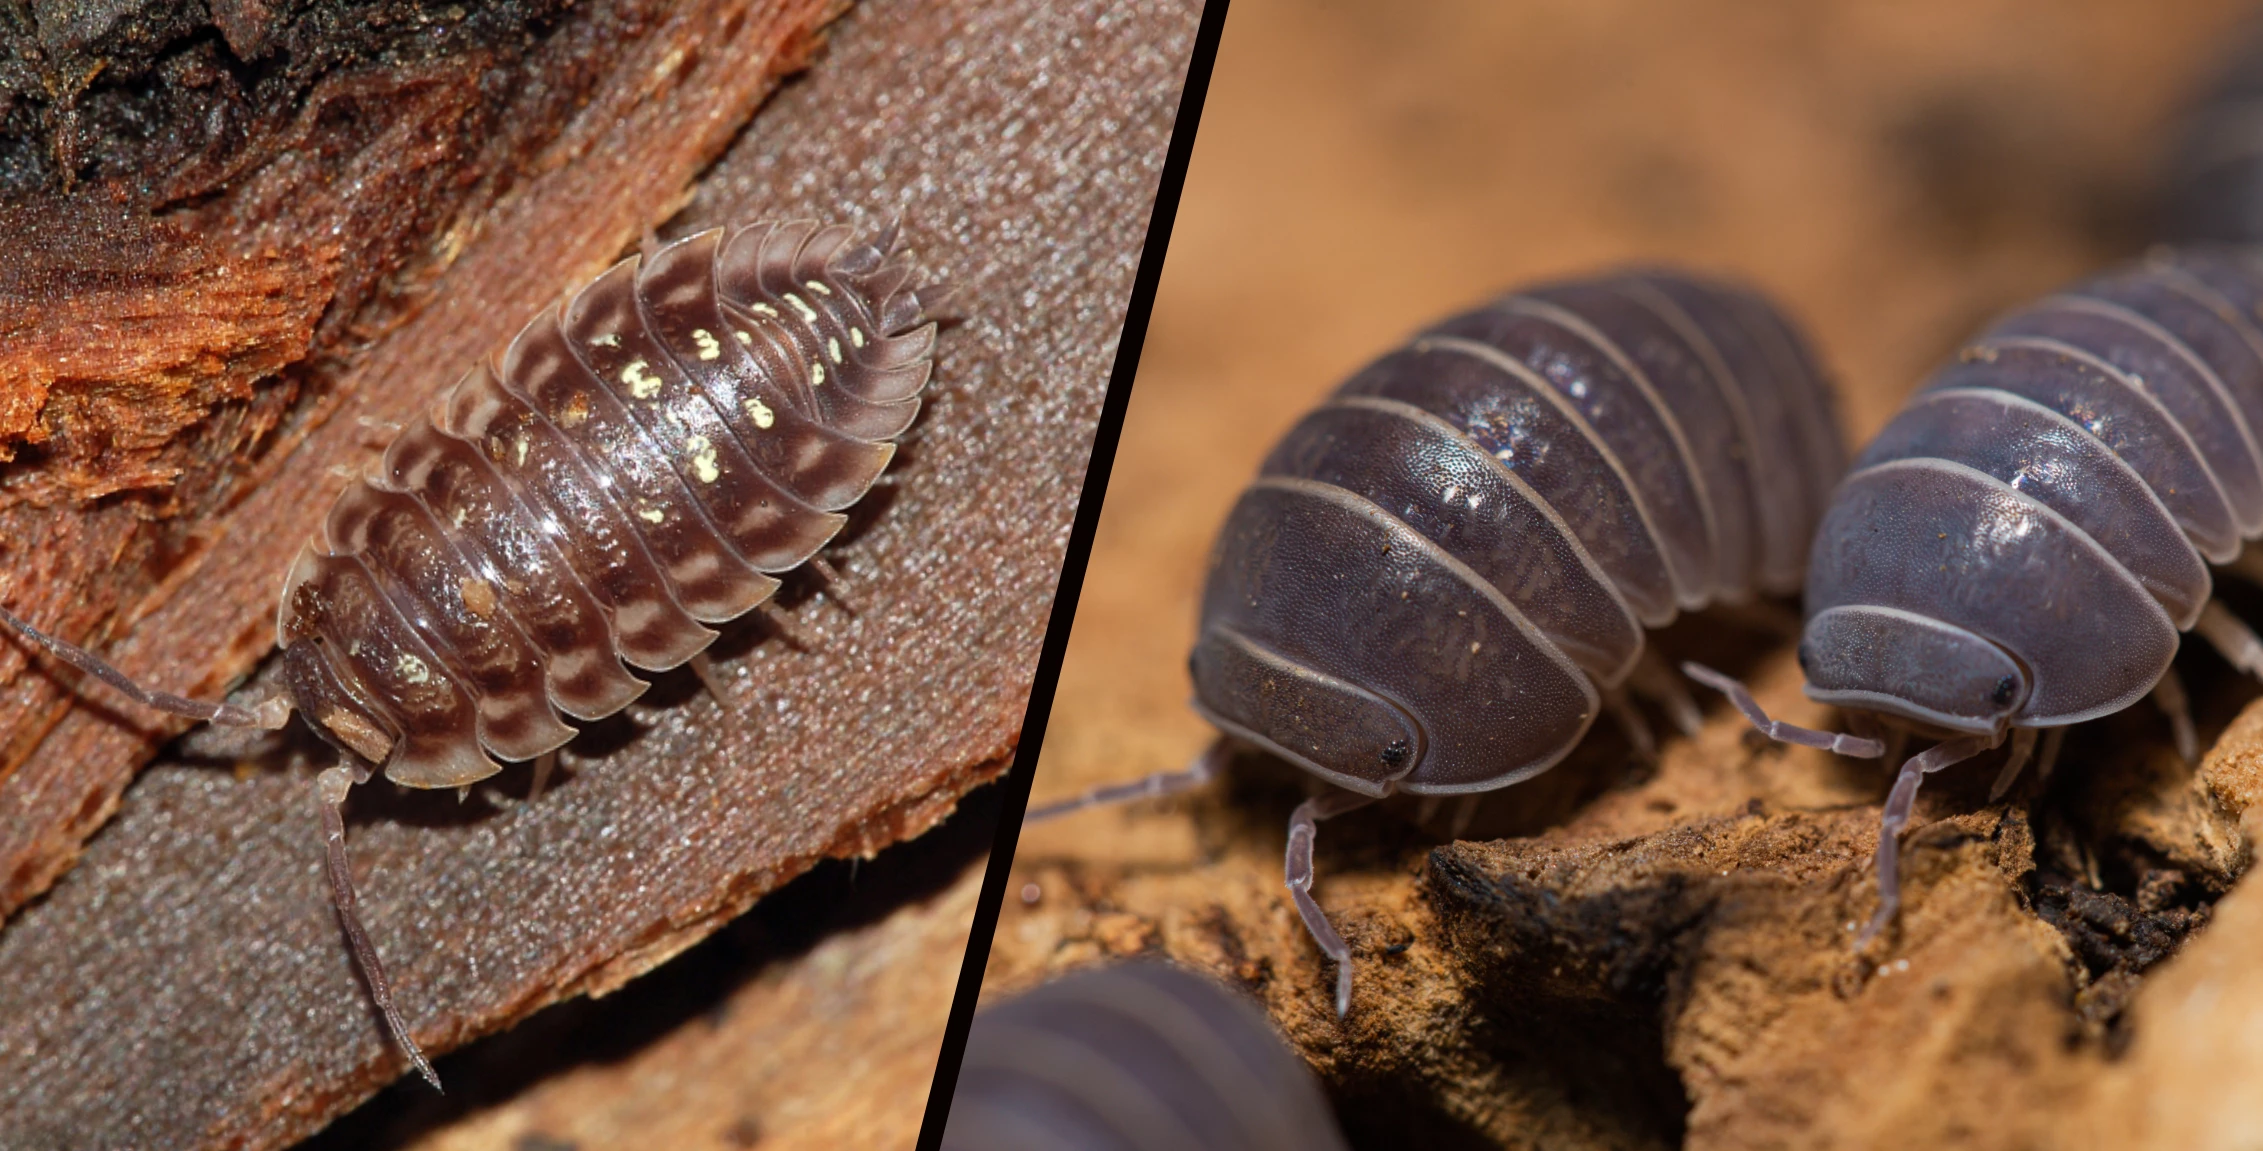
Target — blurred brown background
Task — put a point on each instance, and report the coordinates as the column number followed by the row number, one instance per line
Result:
column 1892, row 174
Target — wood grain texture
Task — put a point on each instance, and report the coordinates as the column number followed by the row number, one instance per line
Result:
column 186, row 985
column 812, row 1021
column 418, row 187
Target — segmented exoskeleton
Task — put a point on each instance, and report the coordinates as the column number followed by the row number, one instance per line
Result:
column 635, row 467
column 2019, row 549
column 1442, row 574
column 1138, row 1055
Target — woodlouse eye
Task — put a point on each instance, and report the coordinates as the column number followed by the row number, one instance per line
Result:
column 2004, row 689
column 1396, row 753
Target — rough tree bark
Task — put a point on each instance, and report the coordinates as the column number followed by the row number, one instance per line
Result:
column 186, row 984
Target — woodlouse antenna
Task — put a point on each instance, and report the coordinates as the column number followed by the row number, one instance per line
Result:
column 330, row 788
column 1854, row 746
column 270, row 714
column 1162, row 783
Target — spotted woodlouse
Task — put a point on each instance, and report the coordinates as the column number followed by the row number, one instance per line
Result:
column 635, row 467
column 1140, row 1054
column 2020, row 547
column 1442, row 573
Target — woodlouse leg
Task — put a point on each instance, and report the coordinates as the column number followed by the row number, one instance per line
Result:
column 380, row 432
column 833, row 582
column 1201, row 771
column 1465, row 809
column 1848, row 745
column 796, row 639
column 330, row 790
column 1630, row 721
column 1303, row 828
column 2023, row 745
column 544, row 764
column 2052, row 742
column 712, row 680
column 2169, row 696
column 2231, row 637
column 271, row 713
column 1899, row 802
column 1652, row 679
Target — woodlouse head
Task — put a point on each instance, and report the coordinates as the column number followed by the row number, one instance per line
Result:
column 1912, row 667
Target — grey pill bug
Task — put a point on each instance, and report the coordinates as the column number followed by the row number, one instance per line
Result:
column 2021, row 546
column 2212, row 179
column 639, row 464
column 1443, row 574
column 1141, row 1056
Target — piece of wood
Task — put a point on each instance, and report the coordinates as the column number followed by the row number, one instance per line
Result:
column 1594, row 980
column 812, row 1021
column 187, row 984
column 398, row 183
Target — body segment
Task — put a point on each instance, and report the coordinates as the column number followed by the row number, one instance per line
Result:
column 2051, row 500
column 633, row 468
column 1443, row 574
column 2021, row 546
column 1440, row 571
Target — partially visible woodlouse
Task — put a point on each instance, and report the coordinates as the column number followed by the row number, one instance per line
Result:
column 1442, row 573
column 634, row 468
column 2212, row 181
column 2020, row 547
column 1138, row 1055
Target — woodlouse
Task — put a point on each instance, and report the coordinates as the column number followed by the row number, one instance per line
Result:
column 636, row 466
column 2020, row 547
column 1442, row 573
column 2212, row 183
column 1136, row 1055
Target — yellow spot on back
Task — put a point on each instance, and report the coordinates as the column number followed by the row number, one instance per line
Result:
column 816, row 287
column 763, row 309
column 576, row 411
column 702, row 459
column 479, row 596
column 816, row 373
column 856, row 337
column 651, row 515
column 802, row 306
column 412, row 669
column 522, row 449
column 760, row 412
column 642, row 384
column 608, row 340
column 709, row 347
column 833, row 348
column 743, row 337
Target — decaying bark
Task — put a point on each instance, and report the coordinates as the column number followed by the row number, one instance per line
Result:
column 1672, row 966
column 1617, row 955
column 187, row 985
column 337, row 189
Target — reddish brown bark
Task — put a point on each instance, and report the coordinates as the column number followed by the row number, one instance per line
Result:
column 186, row 984
column 388, row 192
